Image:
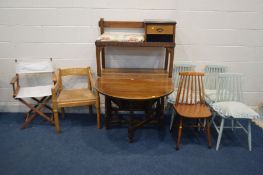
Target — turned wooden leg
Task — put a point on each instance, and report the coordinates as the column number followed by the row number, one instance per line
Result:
column 179, row 134
column 62, row 113
column 107, row 112
column 98, row 110
column 171, row 51
column 130, row 128
column 161, row 111
column 56, row 121
column 208, row 133
column 90, row 109
column 130, row 135
column 166, row 59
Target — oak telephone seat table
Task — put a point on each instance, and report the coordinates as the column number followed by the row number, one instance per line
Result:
column 135, row 89
column 157, row 34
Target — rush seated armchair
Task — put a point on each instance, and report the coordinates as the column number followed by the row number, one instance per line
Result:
column 63, row 97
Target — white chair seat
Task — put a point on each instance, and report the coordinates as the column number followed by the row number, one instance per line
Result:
column 37, row 91
column 172, row 97
column 210, row 95
column 229, row 107
column 234, row 109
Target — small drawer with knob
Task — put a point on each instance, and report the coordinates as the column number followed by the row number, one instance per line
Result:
column 160, row 31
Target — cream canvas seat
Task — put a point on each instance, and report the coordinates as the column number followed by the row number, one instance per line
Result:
column 38, row 91
column 32, row 89
column 229, row 106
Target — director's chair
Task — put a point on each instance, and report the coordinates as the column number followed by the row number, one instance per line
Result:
column 32, row 86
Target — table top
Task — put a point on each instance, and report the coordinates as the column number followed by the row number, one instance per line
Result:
column 142, row 85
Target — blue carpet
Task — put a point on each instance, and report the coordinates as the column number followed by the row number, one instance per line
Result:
column 81, row 148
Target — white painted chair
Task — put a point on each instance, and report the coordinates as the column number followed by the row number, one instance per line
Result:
column 32, row 86
column 211, row 79
column 228, row 105
column 176, row 69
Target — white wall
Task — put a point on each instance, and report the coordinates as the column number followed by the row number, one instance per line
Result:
column 228, row 32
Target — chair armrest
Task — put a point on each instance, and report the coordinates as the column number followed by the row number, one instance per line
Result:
column 15, row 84
column 54, row 77
column 55, row 89
column 92, row 81
column 14, row 80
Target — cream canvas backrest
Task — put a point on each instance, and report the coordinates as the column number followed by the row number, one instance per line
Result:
column 32, row 86
column 34, row 72
column 229, row 87
column 26, row 67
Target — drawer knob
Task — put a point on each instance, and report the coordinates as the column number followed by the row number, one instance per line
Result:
column 159, row 29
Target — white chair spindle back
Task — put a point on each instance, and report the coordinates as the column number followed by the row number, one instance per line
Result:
column 229, row 87
column 181, row 68
column 211, row 75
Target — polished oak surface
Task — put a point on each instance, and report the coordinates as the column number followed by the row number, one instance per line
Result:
column 134, row 90
column 132, row 85
column 193, row 111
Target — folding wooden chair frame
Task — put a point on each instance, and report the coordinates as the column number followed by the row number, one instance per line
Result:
column 34, row 109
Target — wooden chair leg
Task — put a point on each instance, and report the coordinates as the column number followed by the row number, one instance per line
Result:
column 208, row 133
column 130, row 127
column 56, row 121
column 38, row 108
column 160, row 109
column 108, row 112
column 90, row 109
column 37, row 111
column 29, row 119
column 63, row 113
column 179, row 134
column 172, row 120
column 98, row 110
column 29, row 113
column 40, row 101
